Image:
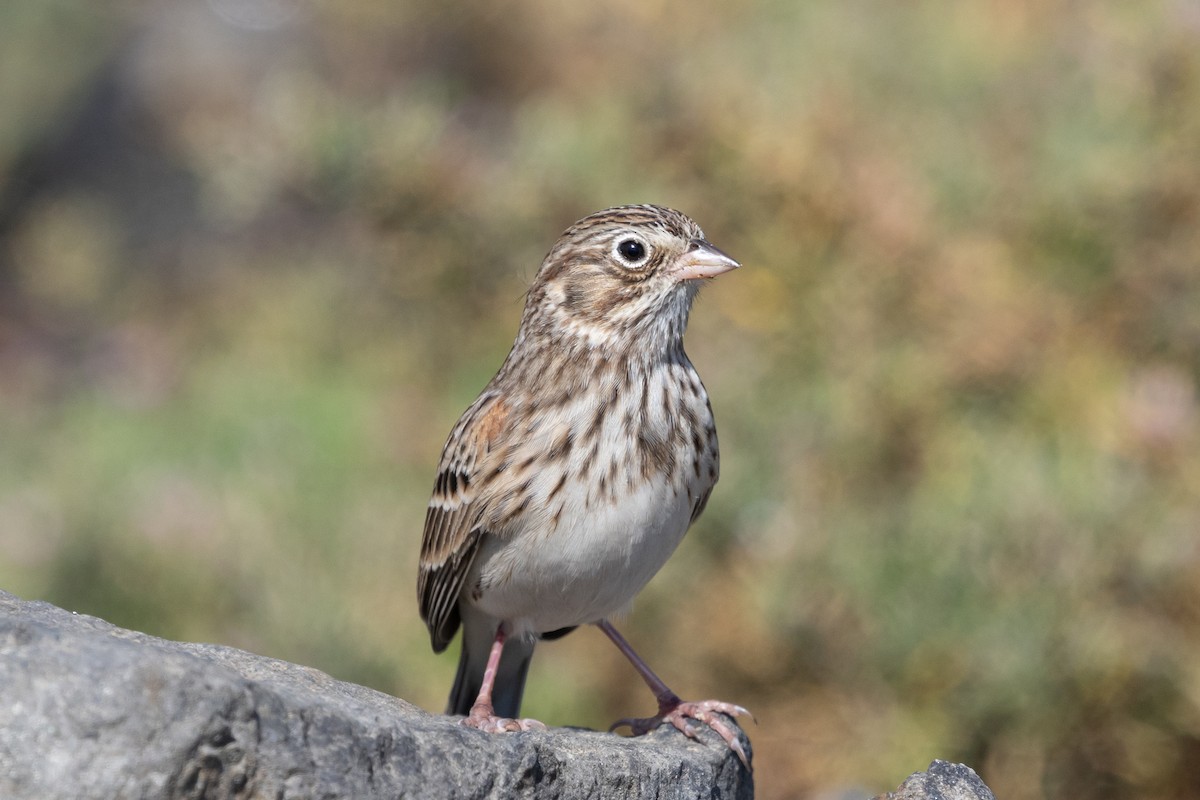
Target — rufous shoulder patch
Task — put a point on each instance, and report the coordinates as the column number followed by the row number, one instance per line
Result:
column 491, row 424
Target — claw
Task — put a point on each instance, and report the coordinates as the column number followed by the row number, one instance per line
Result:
column 736, row 747
column 702, row 711
column 490, row 723
column 630, row 721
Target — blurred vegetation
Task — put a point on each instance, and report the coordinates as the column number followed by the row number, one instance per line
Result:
column 256, row 257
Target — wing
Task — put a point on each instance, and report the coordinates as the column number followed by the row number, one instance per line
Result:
column 452, row 534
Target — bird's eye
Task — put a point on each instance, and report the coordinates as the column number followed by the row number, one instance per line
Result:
column 632, row 251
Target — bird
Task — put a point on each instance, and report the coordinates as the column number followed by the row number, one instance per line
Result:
column 567, row 484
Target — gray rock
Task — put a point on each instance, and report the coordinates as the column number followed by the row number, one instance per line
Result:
column 942, row 781
column 88, row 710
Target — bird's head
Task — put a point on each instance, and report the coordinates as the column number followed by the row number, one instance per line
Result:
column 625, row 271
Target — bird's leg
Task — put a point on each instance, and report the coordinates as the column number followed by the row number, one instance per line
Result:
column 483, row 715
column 483, row 703
column 670, row 708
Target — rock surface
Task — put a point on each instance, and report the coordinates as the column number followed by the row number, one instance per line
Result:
column 942, row 781
column 88, row 710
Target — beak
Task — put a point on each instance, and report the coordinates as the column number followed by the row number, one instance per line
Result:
column 702, row 260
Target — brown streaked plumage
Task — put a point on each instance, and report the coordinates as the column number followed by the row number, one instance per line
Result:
column 570, row 480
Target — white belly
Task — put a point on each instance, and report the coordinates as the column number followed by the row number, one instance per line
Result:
column 592, row 566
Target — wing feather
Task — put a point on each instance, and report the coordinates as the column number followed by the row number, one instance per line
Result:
column 452, row 533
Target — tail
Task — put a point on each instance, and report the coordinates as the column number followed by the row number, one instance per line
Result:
column 510, row 677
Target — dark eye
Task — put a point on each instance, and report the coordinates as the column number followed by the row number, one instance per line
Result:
column 632, row 250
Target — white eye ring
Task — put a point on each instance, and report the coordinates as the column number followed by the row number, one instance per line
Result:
column 631, row 251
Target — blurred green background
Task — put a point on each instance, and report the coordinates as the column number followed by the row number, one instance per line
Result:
column 256, row 256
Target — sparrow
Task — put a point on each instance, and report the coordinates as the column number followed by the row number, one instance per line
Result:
column 567, row 484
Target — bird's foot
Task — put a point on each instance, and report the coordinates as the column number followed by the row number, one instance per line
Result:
column 483, row 718
column 679, row 712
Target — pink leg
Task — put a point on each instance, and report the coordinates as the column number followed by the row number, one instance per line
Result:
column 483, row 715
column 670, row 707
column 484, row 701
